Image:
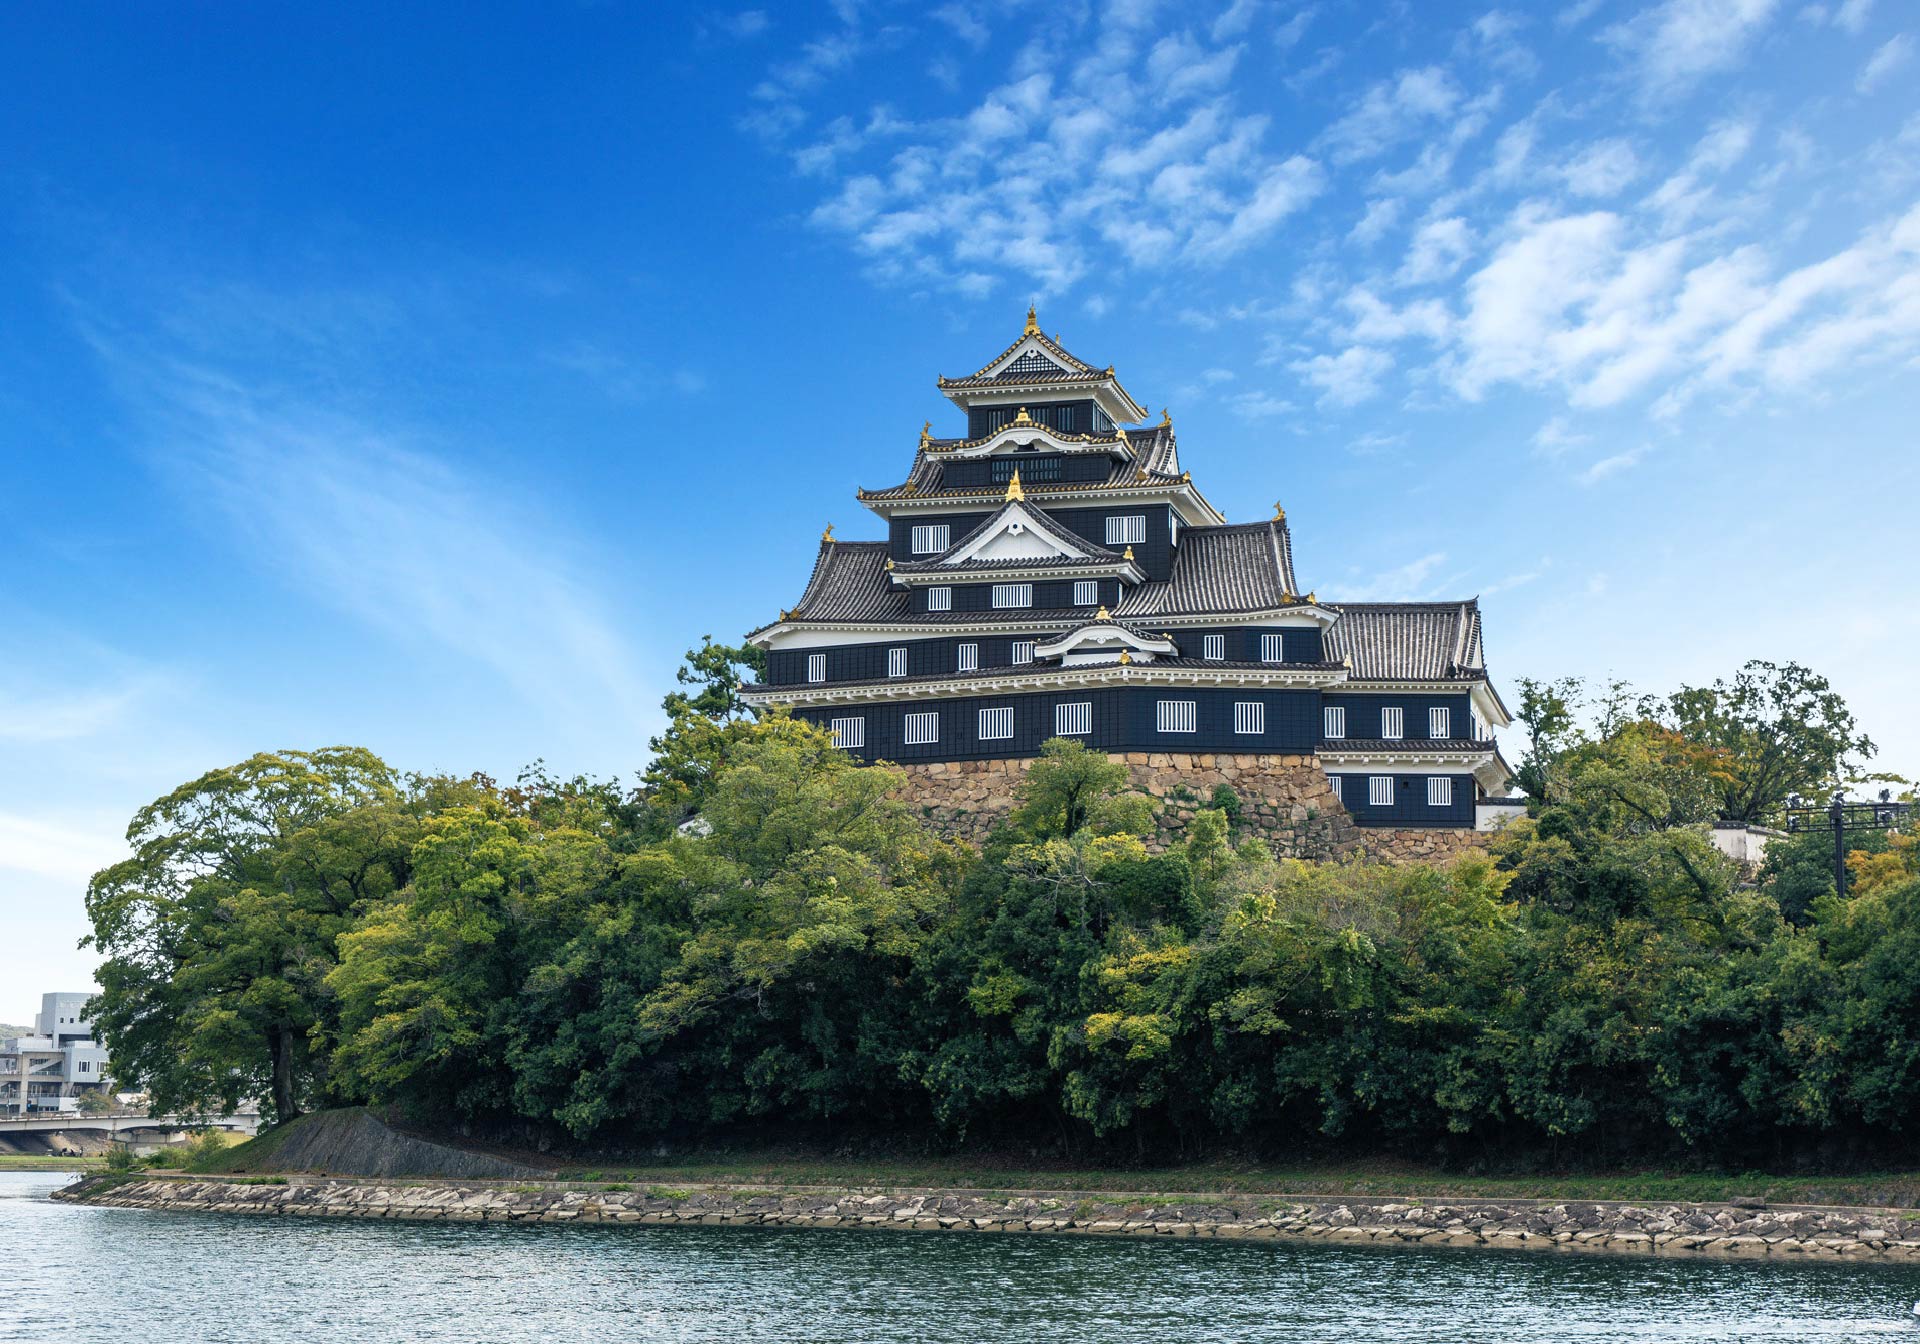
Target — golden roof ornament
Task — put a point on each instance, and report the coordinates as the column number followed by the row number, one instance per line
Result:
column 1279, row 514
column 1127, row 554
column 1033, row 325
column 1126, row 656
column 926, row 432
column 1312, row 600
column 828, row 534
column 1023, row 418
column 1014, row 488
column 1166, row 416
column 1101, row 615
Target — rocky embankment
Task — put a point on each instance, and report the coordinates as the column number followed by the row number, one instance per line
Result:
column 1635, row 1229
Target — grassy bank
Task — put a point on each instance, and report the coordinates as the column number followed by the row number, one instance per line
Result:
column 36, row 1162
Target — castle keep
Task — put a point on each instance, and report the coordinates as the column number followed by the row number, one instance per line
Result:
column 1054, row 572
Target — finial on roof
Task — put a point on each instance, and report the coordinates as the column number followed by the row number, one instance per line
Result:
column 828, row 534
column 1279, row 514
column 926, row 432
column 889, row 564
column 1286, row 596
column 1166, row 416
column 1139, row 473
column 1346, row 661
column 1033, row 326
column 1014, row 489
column 1315, row 601
column 1186, row 477
column 1023, row 418
column 1126, row 656
column 1101, row 615
column 1127, row 554
column 1109, row 370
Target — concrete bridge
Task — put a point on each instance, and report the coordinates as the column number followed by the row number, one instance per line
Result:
column 122, row 1128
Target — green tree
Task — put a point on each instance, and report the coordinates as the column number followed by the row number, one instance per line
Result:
column 1070, row 787
column 704, row 728
column 219, row 930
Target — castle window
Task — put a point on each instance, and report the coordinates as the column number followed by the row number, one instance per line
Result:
column 1023, row 650
column 1479, row 729
column 1033, row 469
column 1335, row 781
column 1127, row 529
column 1439, row 791
column 1333, row 721
column 1249, row 716
column 1439, row 722
column 1380, row 790
column 1213, row 647
column 1393, row 722
column 896, row 662
column 1033, row 362
column 931, row 538
column 1176, row 716
column 1075, row 720
column 1012, row 594
column 996, row 724
column 922, row 728
column 849, row 733
column 939, row 599
column 968, row 659
column 1272, row 649
column 1086, row 593
column 816, row 667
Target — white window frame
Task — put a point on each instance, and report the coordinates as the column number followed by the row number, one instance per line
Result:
column 1213, row 648
column 1250, row 716
column 939, row 599
column 1127, row 529
column 921, row 728
column 1439, row 724
column 1012, row 594
column 1073, row 719
column 1022, row 651
column 896, row 662
column 1086, row 592
column 1393, row 722
column 932, row 538
column 1273, row 648
column 1380, row 790
column 816, row 667
column 1333, row 722
column 1335, row 781
column 966, row 658
column 849, row 734
column 1176, row 716
column 1439, row 791
column 996, row 725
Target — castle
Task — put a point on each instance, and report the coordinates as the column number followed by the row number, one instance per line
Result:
column 1054, row 572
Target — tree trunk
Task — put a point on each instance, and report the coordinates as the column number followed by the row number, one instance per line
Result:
column 280, row 1044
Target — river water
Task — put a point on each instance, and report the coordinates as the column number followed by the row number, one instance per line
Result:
column 75, row 1275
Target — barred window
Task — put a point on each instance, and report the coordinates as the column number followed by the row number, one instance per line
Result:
column 931, row 538
column 1213, row 647
column 1393, row 722
column 849, row 733
column 1031, row 362
column 1439, row 723
column 1249, row 716
column 1335, row 781
column 1127, row 529
column 922, row 728
column 1334, row 721
column 1033, row 470
column 896, row 662
column 1176, row 716
column 1086, row 593
column 1272, row 649
column 939, row 599
column 996, row 723
column 1012, row 594
column 1023, row 650
column 816, row 667
column 1380, row 790
column 1439, row 791
column 1479, row 729
column 968, row 659
column 1075, row 720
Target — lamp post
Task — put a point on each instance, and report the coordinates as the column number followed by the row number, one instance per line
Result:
column 1842, row 816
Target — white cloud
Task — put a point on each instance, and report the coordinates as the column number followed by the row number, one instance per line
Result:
column 1555, row 438
column 966, row 25
column 1612, row 466
column 41, row 714
column 1601, row 169
column 1348, row 378
column 1410, row 582
column 1895, row 52
column 60, row 850
column 1679, row 42
column 1382, row 214
column 1440, row 247
column 1288, row 35
column 747, row 23
column 1391, row 112
column 1260, row 406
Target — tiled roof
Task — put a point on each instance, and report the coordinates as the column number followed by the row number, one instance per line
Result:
column 1050, row 668
column 1153, row 452
column 1386, row 745
column 1239, row 567
column 1409, row 641
column 849, row 583
column 1042, row 522
column 1071, row 366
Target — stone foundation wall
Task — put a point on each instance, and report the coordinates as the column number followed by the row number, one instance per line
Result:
column 1285, row 800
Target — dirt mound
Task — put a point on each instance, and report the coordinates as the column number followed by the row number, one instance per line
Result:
column 356, row 1142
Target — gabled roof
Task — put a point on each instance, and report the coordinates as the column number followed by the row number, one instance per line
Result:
column 1037, row 360
column 1235, row 568
column 849, row 583
column 1154, row 459
column 1106, row 628
column 1409, row 641
column 1069, row 542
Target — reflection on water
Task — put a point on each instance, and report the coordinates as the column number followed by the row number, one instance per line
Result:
column 123, row 1275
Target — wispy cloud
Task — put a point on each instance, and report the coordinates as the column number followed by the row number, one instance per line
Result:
column 1612, row 466
column 1891, row 56
column 1415, row 580
column 44, row 714
column 64, row 851
column 1677, row 43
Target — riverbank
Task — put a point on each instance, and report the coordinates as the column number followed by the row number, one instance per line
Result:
column 1685, row 1229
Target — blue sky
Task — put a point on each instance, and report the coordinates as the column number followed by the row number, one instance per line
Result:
column 432, row 383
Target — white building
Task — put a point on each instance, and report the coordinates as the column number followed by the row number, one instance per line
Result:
column 57, row 1065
